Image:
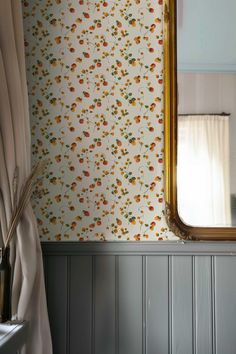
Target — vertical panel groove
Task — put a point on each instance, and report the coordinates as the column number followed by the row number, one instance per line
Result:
column 213, row 288
column 45, row 266
column 144, row 300
column 130, row 305
column 57, row 305
column 157, row 322
column 194, row 305
column 170, row 303
column 93, row 306
column 80, row 304
column 116, row 304
column 68, row 261
column 104, row 299
column 182, row 341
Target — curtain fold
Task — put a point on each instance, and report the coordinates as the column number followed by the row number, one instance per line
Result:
column 203, row 171
column 28, row 293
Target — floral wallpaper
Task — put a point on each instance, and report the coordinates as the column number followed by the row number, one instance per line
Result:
column 95, row 79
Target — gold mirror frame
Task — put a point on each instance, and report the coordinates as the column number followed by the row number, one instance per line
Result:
column 174, row 221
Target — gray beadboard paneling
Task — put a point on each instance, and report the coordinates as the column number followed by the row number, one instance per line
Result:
column 157, row 305
column 135, row 299
column 225, row 305
column 104, row 305
column 57, row 289
column 130, row 305
column 182, row 323
column 80, row 305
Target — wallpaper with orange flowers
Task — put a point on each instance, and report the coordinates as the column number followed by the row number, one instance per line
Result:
column 95, row 79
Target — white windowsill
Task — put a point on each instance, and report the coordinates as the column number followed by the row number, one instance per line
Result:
column 12, row 336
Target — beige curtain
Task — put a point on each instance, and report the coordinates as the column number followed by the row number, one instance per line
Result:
column 29, row 301
column 203, row 170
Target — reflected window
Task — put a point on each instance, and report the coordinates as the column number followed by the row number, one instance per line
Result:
column 203, row 174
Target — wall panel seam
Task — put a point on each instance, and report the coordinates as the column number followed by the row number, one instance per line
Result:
column 68, row 273
column 93, row 306
column 116, row 304
column 45, row 266
column 194, row 304
column 170, row 304
column 213, row 288
column 144, row 304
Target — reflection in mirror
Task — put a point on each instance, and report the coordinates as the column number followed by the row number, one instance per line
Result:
column 206, row 151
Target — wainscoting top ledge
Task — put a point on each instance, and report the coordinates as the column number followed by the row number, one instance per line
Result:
column 139, row 248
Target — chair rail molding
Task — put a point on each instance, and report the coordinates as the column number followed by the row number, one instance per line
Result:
column 140, row 248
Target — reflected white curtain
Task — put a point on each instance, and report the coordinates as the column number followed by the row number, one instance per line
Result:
column 203, row 170
column 28, row 291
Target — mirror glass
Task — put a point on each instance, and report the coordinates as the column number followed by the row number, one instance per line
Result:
column 206, row 78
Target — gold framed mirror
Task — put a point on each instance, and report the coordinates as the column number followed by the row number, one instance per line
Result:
column 183, row 213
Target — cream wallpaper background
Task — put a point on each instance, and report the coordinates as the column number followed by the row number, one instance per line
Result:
column 95, row 78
